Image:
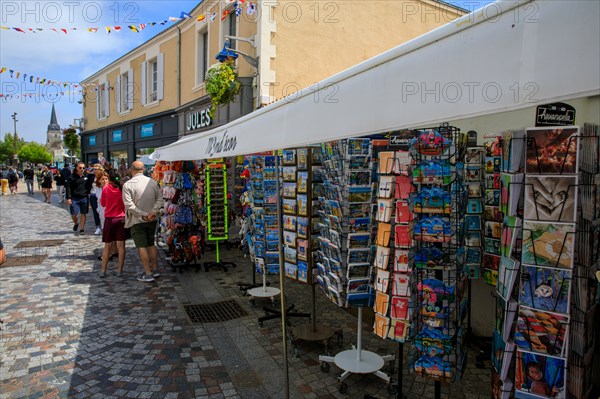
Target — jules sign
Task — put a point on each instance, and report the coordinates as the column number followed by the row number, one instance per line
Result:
column 198, row 119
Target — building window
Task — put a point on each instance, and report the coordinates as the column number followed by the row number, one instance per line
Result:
column 102, row 103
column 230, row 28
column 152, row 79
column 202, row 56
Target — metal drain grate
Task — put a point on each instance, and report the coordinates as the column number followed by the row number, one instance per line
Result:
column 39, row 243
column 215, row 312
column 24, row 261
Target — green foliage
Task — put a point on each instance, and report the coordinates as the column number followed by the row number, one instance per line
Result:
column 7, row 148
column 33, row 152
column 71, row 140
column 222, row 84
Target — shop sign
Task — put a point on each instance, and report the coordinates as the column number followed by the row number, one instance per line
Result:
column 217, row 145
column 147, row 130
column 117, row 135
column 199, row 119
column 399, row 139
column 92, row 140
column 555, row 114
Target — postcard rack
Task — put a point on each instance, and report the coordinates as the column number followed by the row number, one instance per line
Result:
column 550, row 200
column 182, row 223
column 438, row 282
column 264, row 230
column 343, row 269
column 217, row 210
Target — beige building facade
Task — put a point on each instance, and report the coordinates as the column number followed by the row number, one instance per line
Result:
column 155, row 94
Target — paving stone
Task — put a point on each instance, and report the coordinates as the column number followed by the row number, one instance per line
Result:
column 69, row 334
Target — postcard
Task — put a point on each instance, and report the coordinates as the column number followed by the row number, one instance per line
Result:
column 382, row 303
column 302, row 182
column 402, row 236
column 291, row 270
column 302, row 205
column 473, row 222
column 289, row 173
column 359, row 225
column 302, row 224
column 403, row 212
column 289, row 206
column 358, row 285
column 401, row 260
column 541, row 332
column 551, row 198
column 404, row 187
column 511, row 230
column 382, row 324
column 552, row 150
column 398, row 330
column 357, row 270
column 548, row 244
column 303, row 272
column 493, row 229
column 382, row 280
column 539, row 376
column 505, row 316
column 358, row 256
column 383, row 234
column 402, row 162
column 359, row 194
column 386, row 186
column 513, row 148
column 289, row 189
column 400, row 307
column 474, row 155
column 545, row 288
column 359, row 210
column 511, row 189
column 507, row 274
column 492, row 246
column 288, row 157
column 302, row 246
column 384, row 210
column 289, row 238
column 358, row 146
column 386, row 162
column 474, row 205
column 491, row 262
column 401, row 284
column 359, row 240
column 382, row 257
column 302, row 158
column 490, row 276
column 289, row 254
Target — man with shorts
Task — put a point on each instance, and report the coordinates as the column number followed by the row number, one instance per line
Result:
column 143, row 200
column 77, row 192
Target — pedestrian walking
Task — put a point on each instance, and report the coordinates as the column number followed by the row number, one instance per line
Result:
column 143, row 201
column 95, row 192
column 4, row 180
column 47, row 184
column 114, row 231
column 65, row 173
column 60, row 186
column 40, row 177
column 77, row 190
column 29, row 175
column 13, row 180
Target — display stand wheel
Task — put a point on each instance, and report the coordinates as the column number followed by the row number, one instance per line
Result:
column 311, row 333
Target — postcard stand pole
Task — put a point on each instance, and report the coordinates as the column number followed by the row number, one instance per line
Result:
column 399, row 394
column 438, row 390
column 357, row 360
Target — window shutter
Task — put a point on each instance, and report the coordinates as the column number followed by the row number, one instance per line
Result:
column 130, row 87
column 107, row 98
column 160, row 72
column 98, row 98
column 118, row 95
column 143, row 83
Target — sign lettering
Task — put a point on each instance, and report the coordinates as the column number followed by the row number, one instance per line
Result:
column 217, row 145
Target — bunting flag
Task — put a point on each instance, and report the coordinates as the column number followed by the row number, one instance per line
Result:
column 238, row 8
column 3, row 70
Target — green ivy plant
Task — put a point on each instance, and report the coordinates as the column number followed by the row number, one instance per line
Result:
column 221, row 84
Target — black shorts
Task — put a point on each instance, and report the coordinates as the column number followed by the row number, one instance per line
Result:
column 114, row 230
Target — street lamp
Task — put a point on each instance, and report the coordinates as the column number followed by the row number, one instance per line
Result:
column 229, row 52
column 16, row 139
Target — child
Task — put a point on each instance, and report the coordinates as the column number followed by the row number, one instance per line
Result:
column 538, row 383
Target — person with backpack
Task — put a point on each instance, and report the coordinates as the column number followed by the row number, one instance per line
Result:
column 13, row 180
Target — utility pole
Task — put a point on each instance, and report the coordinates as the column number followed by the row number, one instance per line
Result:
column 16, row 139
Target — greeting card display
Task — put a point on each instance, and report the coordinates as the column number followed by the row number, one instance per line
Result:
column 542, row 332
column 545, row 288
column 550, row 198
column 548, row 244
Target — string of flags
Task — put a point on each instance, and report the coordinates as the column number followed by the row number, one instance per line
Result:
column 238, row 9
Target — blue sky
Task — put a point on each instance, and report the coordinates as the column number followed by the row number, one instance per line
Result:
column 76, row 55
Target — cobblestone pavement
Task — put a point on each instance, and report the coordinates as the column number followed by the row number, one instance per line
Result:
column 67, row 333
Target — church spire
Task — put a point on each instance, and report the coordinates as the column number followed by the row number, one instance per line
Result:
column 53, row 122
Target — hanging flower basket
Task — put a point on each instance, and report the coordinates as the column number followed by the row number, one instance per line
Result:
column 221, row 84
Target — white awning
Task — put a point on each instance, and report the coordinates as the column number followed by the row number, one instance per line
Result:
column 506, row 56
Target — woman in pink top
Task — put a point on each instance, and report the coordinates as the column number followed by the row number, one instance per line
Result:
column 114, row 221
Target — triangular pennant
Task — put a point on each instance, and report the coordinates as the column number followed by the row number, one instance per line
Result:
column 133, row 28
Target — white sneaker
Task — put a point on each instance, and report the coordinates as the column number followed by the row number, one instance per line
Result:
column 98, row 231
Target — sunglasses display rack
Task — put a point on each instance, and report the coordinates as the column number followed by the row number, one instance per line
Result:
column 217, row 210
column 182, row 226
column 438, row 283
column 344, row 270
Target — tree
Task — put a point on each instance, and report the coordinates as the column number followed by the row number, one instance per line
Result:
column 34, row 153
column 7, row 148
column 71, row 140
